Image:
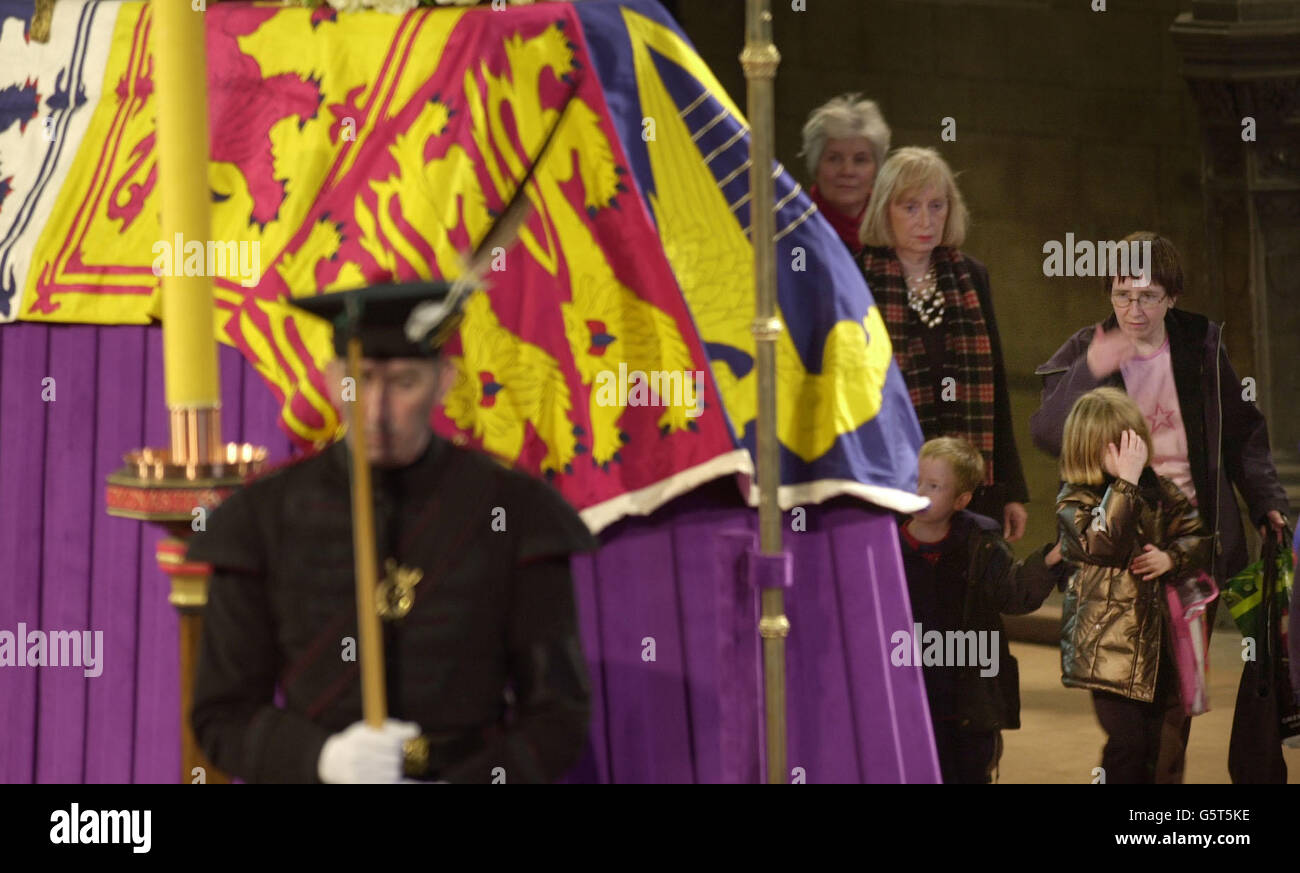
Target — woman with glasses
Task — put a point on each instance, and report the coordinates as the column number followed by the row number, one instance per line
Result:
column 1204, row 435
column 1172, row 362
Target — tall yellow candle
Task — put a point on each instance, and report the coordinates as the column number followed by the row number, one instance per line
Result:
column 180, row 82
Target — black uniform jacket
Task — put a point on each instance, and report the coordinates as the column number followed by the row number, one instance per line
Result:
column 493, row 617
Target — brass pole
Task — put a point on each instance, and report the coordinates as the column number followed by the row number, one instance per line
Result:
column 374, row 697
column 760, row 59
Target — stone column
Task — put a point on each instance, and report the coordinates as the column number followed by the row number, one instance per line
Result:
column 1241, row 60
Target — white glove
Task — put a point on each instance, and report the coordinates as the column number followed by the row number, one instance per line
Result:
column 365, row 754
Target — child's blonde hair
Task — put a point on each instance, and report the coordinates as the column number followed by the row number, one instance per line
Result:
column 964, row 459
column 1098, row 418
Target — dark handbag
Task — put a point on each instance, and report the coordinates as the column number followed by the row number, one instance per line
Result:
column 1266, row 715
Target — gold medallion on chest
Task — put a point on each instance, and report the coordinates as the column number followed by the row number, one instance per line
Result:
column 395, row 596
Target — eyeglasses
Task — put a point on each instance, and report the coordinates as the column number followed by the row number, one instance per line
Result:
column 1148, row 299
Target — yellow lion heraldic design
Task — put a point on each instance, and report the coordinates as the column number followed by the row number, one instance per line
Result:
column 504, row 383
column 605, row 322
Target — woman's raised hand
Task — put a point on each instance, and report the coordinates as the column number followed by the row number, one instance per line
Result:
column 1108, row 352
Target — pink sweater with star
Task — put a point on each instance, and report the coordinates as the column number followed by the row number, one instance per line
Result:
column 1150, row 382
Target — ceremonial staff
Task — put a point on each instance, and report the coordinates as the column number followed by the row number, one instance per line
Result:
column 374, row 698
column 760, row 59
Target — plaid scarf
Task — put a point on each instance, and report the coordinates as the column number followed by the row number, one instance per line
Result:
column 968, row 353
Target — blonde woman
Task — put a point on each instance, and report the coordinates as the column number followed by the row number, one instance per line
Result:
column 1126, row 530
column 938, row 306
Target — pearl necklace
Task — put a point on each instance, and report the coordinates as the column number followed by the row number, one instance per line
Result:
column 925, row 299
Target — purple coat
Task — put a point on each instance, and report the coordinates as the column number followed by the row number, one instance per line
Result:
column 1293, row 633
column 1227, row 437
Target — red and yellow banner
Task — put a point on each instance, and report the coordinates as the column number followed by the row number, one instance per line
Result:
column 612, row 352
column 353, row 148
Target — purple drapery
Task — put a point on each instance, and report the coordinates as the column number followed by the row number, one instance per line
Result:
column 66, row 565
column 851, row 715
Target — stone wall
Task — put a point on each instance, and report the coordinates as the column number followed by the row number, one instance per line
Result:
column 1067, row 120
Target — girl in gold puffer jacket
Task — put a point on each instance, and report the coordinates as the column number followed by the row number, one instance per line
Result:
column 1125, row 530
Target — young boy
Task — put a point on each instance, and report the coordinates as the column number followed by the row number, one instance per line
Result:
column 961, row 576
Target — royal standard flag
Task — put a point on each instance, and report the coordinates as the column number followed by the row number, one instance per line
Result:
column 611, row 351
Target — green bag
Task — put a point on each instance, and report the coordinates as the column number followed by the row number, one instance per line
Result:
column 1243, row 592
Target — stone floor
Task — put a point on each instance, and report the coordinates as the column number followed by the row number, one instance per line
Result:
column 1060, row 740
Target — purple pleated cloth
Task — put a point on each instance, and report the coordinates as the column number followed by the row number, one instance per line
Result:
column 668, row 606
column 65, row 564
column 675, row 662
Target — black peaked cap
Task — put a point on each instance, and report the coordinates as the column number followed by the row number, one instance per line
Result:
column 383, row 313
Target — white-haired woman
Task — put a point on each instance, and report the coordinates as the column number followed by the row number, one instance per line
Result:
column 938, row 307
column 844, row 142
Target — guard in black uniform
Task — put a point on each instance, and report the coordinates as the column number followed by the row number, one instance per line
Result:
column 483, row 660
